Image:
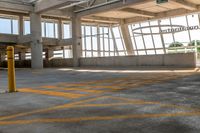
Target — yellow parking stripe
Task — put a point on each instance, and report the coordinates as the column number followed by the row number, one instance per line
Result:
column 52, row 93
column 152, row 102
column 78, row 89
column 100, row 118
column 68, row 105
column 48, row 87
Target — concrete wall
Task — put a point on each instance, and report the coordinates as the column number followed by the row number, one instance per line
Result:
column 50, row 63
column 175, row 60
column 58, row 63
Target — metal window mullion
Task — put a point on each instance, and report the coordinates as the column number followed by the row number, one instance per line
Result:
column 152, row 38
column 134, row 40
column 143, row 39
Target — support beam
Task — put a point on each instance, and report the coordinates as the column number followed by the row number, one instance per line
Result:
column 49, row 54
column 101, row 19
column 185, row 4
column 127, row 38
column 166, row 14
column 15, row 7
column 139, row 12
column 46, row 5
column 36, row 41
column 2, row 56
column 60, row 29
column 76, row 39
column 22, row 55
column 21, row 26
column 112, row 5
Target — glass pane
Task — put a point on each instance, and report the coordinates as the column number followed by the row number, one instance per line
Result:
column 15, row 27
column 50, row 30
column 27, row 28
column 5, row 26
column 66, row 30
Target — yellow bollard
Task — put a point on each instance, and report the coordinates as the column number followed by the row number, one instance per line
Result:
column 11, row 69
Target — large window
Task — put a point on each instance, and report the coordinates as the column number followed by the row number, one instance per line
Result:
column 50, row 29
column 102, row 41
column 66, row 30
column 9, row 25
column 148, row 37
column 27, row 26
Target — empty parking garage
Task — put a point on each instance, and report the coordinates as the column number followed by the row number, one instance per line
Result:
column 93, row 66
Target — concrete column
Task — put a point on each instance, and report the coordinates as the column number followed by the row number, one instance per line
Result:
column 49, row 54
column 60, row 29
column 76, row 39
column 2, row 56
column 36, row 42
column 21, row 25
column 22, row 55
column 127, row 38
column 98, row 41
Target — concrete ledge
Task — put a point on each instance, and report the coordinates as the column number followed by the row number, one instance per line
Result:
column 47, row 64
column 175, row 60
column 186, row 60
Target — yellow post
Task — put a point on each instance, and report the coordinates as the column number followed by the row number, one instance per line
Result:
column 11, row 69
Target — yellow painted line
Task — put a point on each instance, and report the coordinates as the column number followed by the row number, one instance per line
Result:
column 52, row 93
column 111, row 104
column 48, row 86
column 104, row 87
column 100, row 118
column 89, row 82
column 73, row 84
column 78, row 89
column 69, row 105
column 161, row 104
column 134, row 100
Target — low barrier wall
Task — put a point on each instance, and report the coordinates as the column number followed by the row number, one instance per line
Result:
column 174, row 60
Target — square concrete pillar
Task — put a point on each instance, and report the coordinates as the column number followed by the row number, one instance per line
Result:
column 2, row 56
column 76, row 39
column 60, row 29
column 22, row 55
column 127, row 38
column 36, row 41
column 21, row 26
column 49, row 54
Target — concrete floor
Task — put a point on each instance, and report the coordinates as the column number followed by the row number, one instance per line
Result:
column 96, row 100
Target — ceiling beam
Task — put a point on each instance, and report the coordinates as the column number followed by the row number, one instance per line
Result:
column 102, row 19
column 108, row 6
column 139, row 12
column 15, row 7
column 162, row 15
column 46, row 5
column 184, row 4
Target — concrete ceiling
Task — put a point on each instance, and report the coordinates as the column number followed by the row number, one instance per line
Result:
column 149, row 9
column 106, row 10
column 194, row 1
